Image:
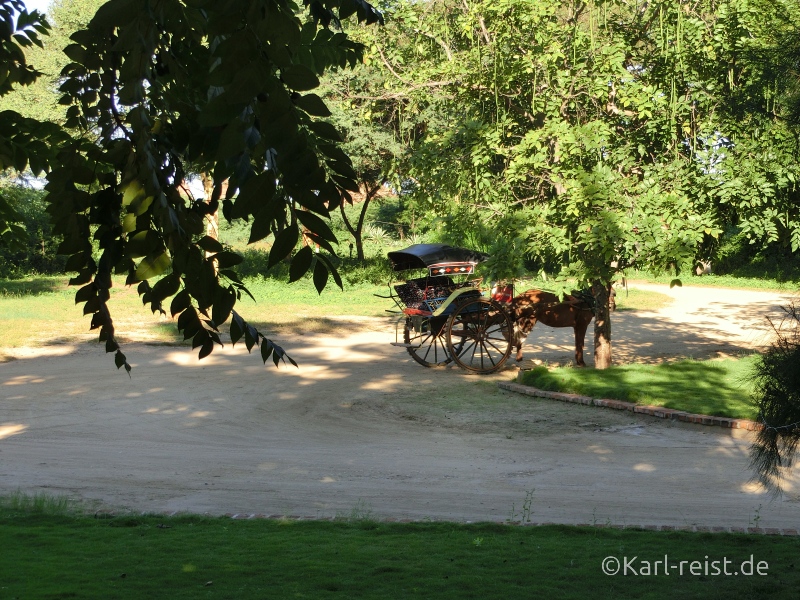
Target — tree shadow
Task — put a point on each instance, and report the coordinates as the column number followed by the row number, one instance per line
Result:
column 230, row 434
column 719, row 329
column 33, row 287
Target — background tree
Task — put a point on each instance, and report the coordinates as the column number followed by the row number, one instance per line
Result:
column 369, row 140
column 620, row 134
column 39, row 100
column 24, row 142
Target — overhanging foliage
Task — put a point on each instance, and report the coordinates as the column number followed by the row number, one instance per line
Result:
column 164, row 87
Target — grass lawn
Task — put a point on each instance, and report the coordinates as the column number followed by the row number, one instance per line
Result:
column 72, row 556
column 711, row 387
column 41, row 311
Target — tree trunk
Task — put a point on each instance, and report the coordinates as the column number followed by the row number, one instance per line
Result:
column 357, row 231
column 602, row 325
column 212, row 219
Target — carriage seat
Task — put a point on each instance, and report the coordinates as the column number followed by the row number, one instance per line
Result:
column 423, row 296
column 415, row 292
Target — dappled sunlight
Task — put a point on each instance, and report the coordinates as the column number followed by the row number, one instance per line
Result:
column 167, row 410
column 361, row 416
column 25, row 352
column 188, row 358
column 25, row 380
column 601, row 452
column 390, row 383
column 731, row 451
column 753, row 487
column 9, row 429
column 201, row 414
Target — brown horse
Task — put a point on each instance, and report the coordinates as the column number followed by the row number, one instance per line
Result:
column 535, row 305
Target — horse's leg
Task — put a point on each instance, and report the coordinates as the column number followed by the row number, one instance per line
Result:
column 580, row 338
column 520, row 336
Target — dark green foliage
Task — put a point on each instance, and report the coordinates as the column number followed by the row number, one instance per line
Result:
column 140, row 556
column 737, row 256
column 38, row 252
column 776, row 379
column 24, row 142
column 19, row 29
column 169, row 88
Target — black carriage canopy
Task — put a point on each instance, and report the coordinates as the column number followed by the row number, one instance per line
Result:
column 422, row 256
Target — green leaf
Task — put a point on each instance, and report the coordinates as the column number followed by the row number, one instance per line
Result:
column 228, row 259
column 180, row 302
column 121, row 361
column 208, row 347
column 325, row 130
column 77, row 261
column 315, row 224
column 237, row 328
column 167, row 286
column 320, row 276
column 266, row 349
column 224, row 301
column 313, row 105
column 85, row 293
column 209, row 244
column 255, row 194
column 283, row 246
column 675, row 282
column 153, row 266
column 334, row 273
column 301, row 263
column 299, row 78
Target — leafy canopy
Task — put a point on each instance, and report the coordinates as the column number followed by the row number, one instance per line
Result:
column 162, row 87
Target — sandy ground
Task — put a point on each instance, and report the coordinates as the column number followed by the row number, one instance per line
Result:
column 361, row 429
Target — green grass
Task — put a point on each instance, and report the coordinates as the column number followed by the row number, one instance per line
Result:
column 56, row 556
column 726, row 281
column 41, row 311
column 633, row 299
column 37, row 504
column 712, row 387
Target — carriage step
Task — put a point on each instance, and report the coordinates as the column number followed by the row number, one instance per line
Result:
column 402, row 345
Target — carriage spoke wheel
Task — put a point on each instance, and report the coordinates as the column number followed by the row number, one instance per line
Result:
column 429, row 347
column 479, row 335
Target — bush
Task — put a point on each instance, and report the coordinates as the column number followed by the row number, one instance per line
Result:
column 736, row 256
column 39, row 256
column 776, row 379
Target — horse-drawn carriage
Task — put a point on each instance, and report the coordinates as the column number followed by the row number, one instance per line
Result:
column 445, row 317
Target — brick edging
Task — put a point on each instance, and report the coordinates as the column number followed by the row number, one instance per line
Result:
column 663, row 528
column 653, row 411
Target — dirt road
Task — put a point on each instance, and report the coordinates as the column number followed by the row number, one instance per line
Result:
column 361, row 429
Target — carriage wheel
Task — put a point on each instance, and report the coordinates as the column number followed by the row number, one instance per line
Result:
column 429, row 346
column 480, row 334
